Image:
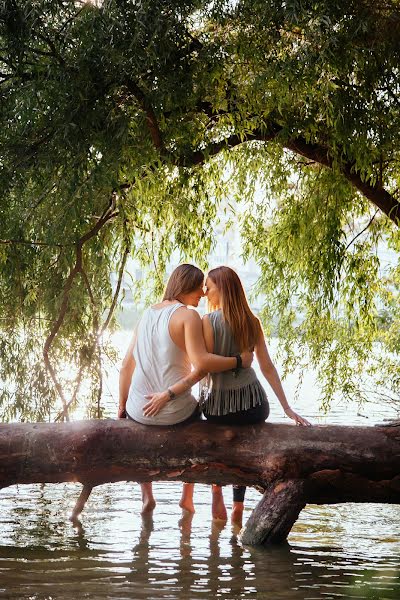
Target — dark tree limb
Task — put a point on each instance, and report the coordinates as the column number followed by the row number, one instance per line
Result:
column 362, row 231
column 151, row 118
column 294, row 465
column 275, row 514
column 374, row 192
column 121, row 271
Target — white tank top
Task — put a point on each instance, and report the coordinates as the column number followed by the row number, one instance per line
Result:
column 159, row 364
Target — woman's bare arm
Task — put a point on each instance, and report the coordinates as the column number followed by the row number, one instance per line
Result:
column 158, row 400
column 271, row 375
column 197, row 351
column 125, row 377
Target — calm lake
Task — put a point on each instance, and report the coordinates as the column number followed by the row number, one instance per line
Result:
column 340, row 551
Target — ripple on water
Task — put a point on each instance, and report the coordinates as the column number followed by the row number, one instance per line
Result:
column 338, row 551
column 342, row 551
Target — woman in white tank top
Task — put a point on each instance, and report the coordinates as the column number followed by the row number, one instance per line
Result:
column 159, row 364
column 168, row 341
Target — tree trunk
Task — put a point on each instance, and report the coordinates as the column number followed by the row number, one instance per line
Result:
column 295, row 465
column 275, row 514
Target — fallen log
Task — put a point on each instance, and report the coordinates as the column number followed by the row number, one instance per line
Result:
column 294, row 465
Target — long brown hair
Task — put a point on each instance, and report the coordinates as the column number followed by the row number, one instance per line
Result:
column 236, row 310
column 184, row 279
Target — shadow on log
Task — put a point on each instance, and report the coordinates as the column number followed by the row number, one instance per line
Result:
column 294, row 465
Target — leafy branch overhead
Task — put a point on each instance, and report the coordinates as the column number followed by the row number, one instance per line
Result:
column 168, row 108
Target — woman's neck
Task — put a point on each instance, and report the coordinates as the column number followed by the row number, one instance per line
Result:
column 167, row 303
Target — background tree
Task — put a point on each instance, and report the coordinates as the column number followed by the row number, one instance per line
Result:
column 124, row 125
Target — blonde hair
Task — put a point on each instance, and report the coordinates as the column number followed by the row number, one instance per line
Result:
column 184, row 279
column 235, row 308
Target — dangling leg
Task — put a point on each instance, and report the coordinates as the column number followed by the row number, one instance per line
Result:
column 218, row 504
column 238, row 504
column 186, row 502
column 148, row 502
column 80, row 503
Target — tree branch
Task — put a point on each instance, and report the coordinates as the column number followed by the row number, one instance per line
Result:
column 72, row 18
column 200, row 156
column 78, row 380
column 54, row 53
column 107, row 215
column 150, row 114
column 374, row 192
column 117, row 289
column 56, row 326
column 362, row 231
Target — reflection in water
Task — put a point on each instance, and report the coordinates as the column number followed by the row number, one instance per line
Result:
column 118, row 554
column 139, row 565
column 342, row 551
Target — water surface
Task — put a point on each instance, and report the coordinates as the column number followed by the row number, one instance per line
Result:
column 339, row 551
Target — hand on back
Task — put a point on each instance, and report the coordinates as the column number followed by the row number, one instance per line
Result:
column 156, row 402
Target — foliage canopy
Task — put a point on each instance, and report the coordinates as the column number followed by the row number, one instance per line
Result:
column 125, row 124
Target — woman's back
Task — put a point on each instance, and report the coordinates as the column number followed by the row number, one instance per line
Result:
column 159, row 364
column 229, row 391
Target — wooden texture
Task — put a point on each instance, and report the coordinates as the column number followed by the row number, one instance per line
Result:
column 295, row 465
column 275, row 514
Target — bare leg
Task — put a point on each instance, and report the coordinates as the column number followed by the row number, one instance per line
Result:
column 237, row 514
column 80, row 503
column 218, row 504
column 186, row 502
column 185, row 525
column 148, row 502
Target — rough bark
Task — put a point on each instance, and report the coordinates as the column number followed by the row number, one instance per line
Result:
column 274, row 516
column 295, row 465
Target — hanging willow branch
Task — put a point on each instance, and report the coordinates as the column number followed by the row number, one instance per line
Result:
column 107, row 215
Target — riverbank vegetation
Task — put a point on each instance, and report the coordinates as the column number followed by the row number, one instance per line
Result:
column 125, row 124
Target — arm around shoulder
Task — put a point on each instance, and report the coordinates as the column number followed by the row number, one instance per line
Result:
column 196, row 347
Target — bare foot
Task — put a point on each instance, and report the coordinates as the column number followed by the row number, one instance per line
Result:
column 185, row 523
column 148, row 506
column 237, row 514
column 148, row 502
column 218, row 506
column 186, row 502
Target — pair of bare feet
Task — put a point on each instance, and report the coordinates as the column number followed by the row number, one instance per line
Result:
column 218, row 508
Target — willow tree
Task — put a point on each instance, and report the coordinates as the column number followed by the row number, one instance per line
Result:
column 124, row 125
